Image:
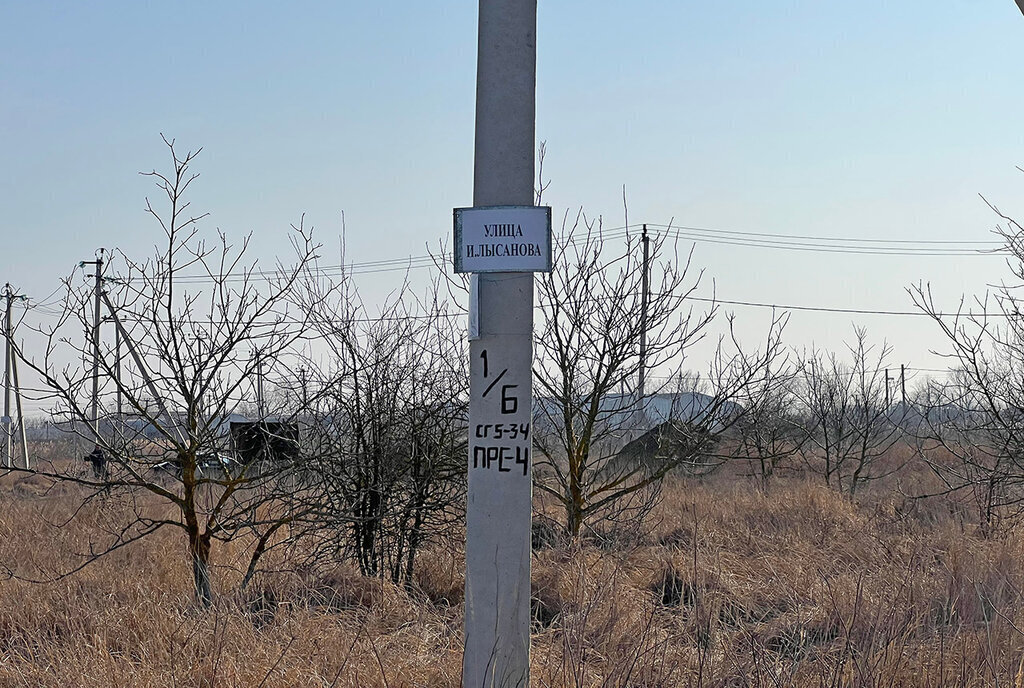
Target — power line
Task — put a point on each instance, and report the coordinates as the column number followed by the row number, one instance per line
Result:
column 854, row 311
column 817, row 309
column 816, row 243
column 367, row 267
column 458, row 313
column 882, row 247
column 714, row 301
column 40, row 303
column 793, row 242
column 806, row 237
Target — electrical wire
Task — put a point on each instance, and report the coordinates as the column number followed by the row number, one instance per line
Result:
column 459, row 313
column 805, row 237
column 793, row 242
column 816, row 309
column 891, row 247
column 817, row 243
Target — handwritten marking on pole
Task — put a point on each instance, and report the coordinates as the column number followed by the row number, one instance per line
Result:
column 501, row 456
column 507, row 445
column 512, row 431
column 496, row 380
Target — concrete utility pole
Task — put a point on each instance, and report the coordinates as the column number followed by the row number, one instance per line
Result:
column 499, row 503
column 21, row 412
column 645, row 300
column 11, row 375
column 117, row 374
column 98, row 295
column 303, row 389
column 8, row 432
column 260, row 408
column 903, row 384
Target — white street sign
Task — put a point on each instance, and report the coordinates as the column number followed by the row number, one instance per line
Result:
column 503, row 239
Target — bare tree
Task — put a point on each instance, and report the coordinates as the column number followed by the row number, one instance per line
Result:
column 390, row 435
column 975, row 457
column 587, row 366
column 977, row 419
column 849, row 425
column 190, row 320
column 770, row 431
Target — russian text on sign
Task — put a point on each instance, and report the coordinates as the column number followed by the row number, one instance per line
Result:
column 482, row 239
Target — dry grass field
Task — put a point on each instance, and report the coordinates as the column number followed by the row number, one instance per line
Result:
column 724, row 584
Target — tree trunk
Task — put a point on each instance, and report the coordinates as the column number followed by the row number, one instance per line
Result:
column 366, row 526
column 199, row 548
column 415, row 533
column 574, row 522
column 574, row 506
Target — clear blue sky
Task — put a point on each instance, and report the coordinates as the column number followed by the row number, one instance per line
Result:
column 872, row 119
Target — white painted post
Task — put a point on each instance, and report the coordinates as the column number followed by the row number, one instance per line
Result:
column 498, row 510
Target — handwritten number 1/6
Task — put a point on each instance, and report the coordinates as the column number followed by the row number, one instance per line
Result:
column 483, row 355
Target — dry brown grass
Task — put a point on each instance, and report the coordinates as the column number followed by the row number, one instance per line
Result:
column 730, row 585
